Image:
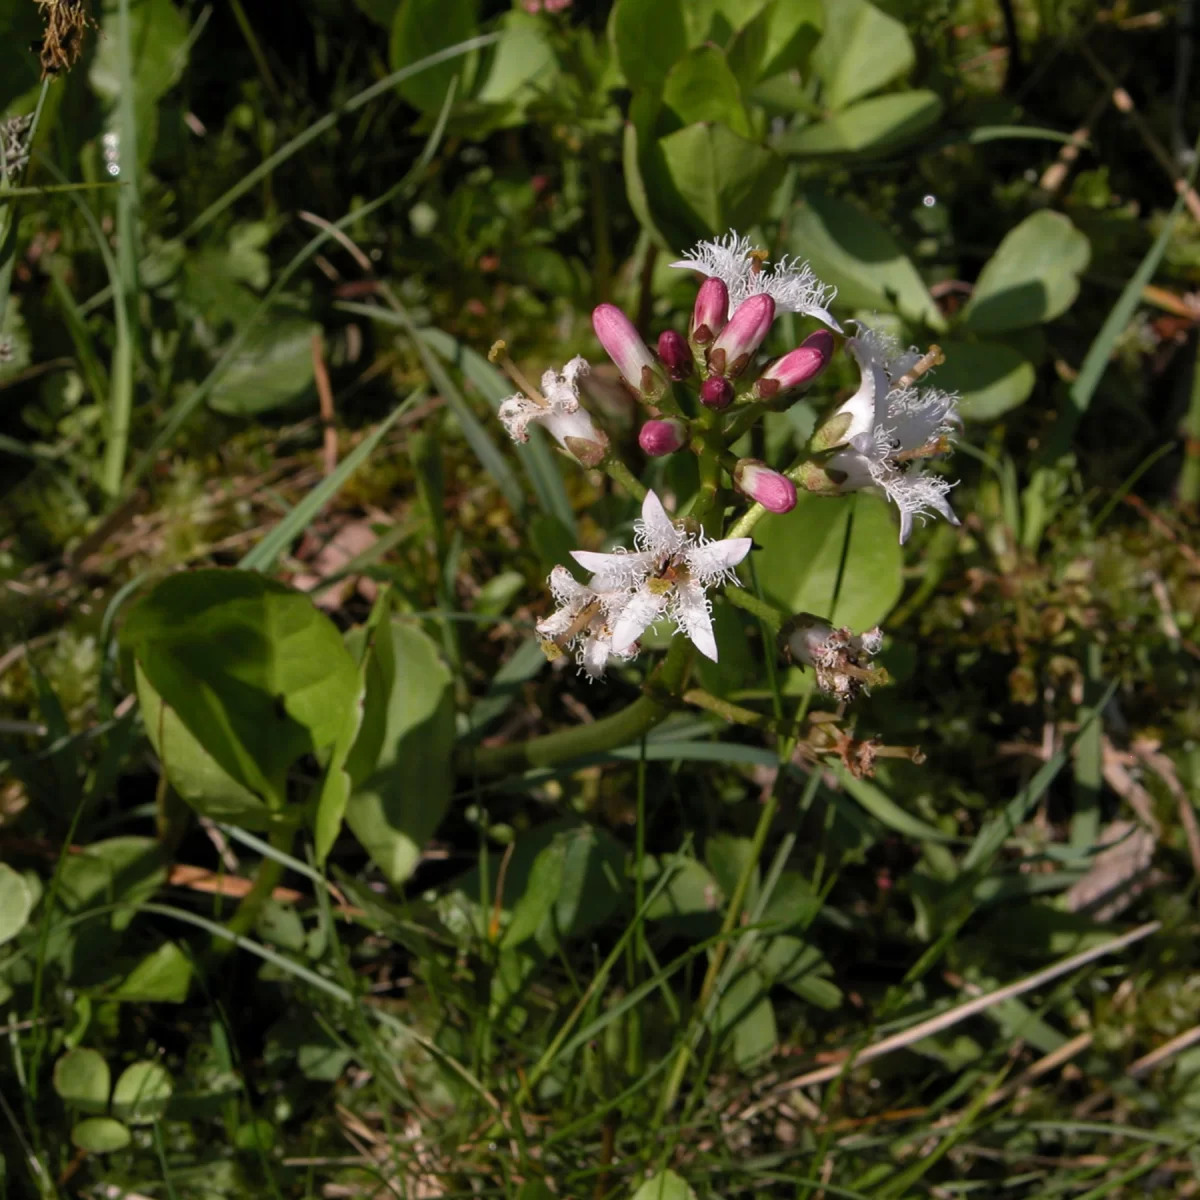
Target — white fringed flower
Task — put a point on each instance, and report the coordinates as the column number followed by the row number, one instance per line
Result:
column 583, row 622
column 558, row 409
column 668, row 574
column 892, row 429
column 793, row 285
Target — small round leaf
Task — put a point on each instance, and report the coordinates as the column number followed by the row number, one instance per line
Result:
column 142, row 1093
column 82, row 1079
column 100, row 1135
column 16, row 903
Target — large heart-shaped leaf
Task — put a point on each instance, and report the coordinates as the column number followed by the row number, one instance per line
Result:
column 802, row 558
column 848, row 248
column 401, row 762
column 861, row 50
column 879, row 123
column 1032, row 277
column 255, row 673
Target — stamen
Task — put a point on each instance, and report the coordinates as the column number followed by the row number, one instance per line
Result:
column 583, row 619
column 932, row 358
column 939, row 446
column 499, row 354
column 757, row 258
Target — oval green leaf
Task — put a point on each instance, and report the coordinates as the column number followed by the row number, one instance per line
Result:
column 990, row 378
column 649, row 37
column 666, row 1185
column 880, row 123
column 273, row 369
column 16, row 903
column 100, row 1135
column 802, row 556
column 403, row 780
column 701, row 87
column 256, row 673
column 142, row 1093
column 1032, row 277
column 861, row 50
column 850, row 249
column 82, row 1079
column 423, row 27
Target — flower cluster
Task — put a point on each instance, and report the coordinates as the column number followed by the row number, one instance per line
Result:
column 668, row 574
column 703, row 390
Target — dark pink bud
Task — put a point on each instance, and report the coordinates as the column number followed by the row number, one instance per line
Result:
column 716, row 392
column 711, row 311
column 775, row 492
column 657, row 438
column 797, row 367
column 745, row 332
column 675, row 354
column 624, row 345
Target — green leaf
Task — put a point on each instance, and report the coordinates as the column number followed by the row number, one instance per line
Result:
column 256, row 674
column 990, row 377
column 539, row 896
column 850, row 249
column 406, row 782
column 273, row 369
column 16, row 903
column 792, row 30
column 121, row 870
column 338, row 784
column 719, row 179
column 82, row 1079
column 802, row 555
column 162, row 977
column 883, row 808
column 666, row 1185
column 636, row 188
column 193, row 772
column 861, row 50
column 649, row 37
column 520, row 65
column 158, row 38
column 424, row 27
column 1032, row 277
column 880, row 123
column 802, row 969
column 701, row 87
column 100, row 1135
column 746, row 1011
column 142, row 1093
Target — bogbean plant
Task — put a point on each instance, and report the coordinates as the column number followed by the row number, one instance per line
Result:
column 700, row 395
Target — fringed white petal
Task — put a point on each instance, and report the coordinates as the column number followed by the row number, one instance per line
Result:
column 656, row 532
column 713, row 562
column 693, row 615
column 643, row 609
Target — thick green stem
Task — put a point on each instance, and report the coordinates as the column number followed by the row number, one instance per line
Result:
column 767, row 613
column 745, row 524
column 735, row 714
column 617, row 471
column 606, row 734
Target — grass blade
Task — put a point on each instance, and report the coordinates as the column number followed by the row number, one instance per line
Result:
column 263, row 556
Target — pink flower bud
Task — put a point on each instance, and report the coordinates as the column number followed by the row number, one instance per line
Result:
column 658, row 438
column 775, row 492
column 675, row 354
column 737, row 342
column 711, row 311
column 797, row 367
column 716, row 392
column 626, row 348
